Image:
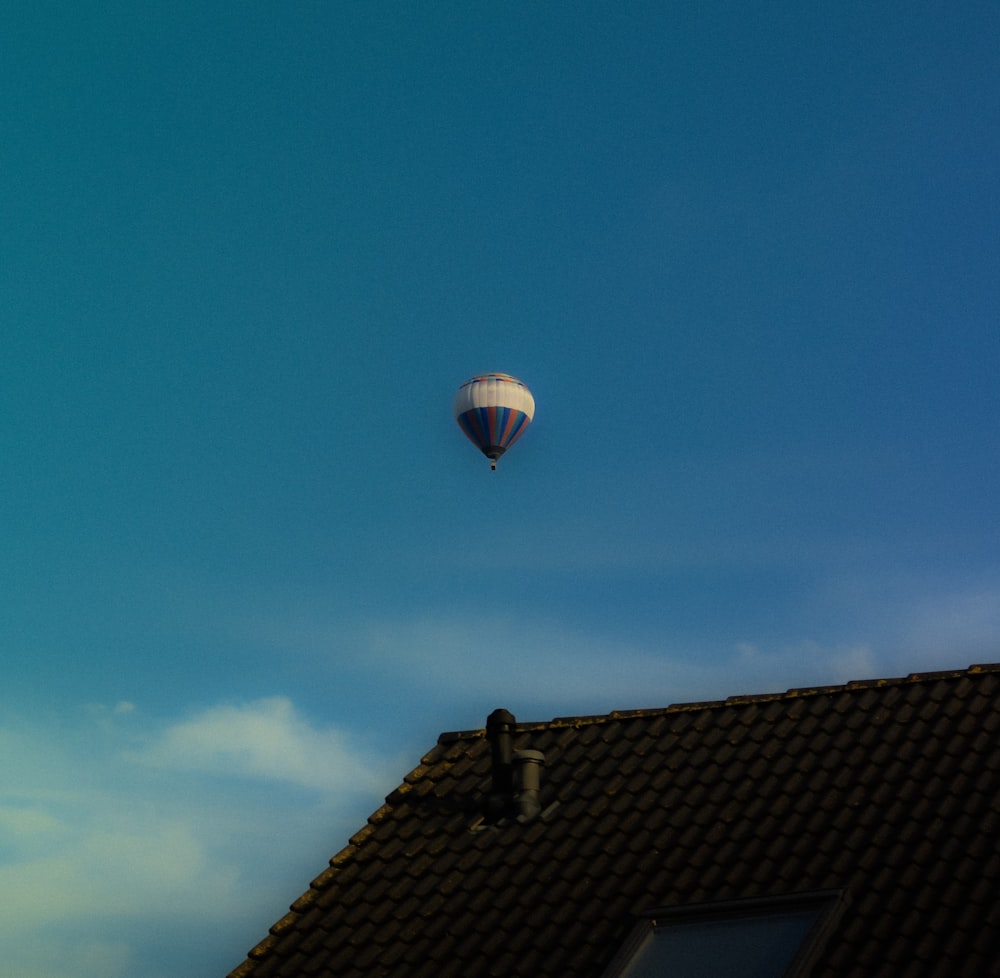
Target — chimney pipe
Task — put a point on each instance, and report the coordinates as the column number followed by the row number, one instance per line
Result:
column 499, row 731
column 529, row 781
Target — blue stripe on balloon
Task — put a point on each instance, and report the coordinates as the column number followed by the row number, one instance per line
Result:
column 472, row 426
column 499, row 422
column 499, row 426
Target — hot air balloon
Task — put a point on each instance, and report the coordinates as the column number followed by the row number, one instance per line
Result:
column 493, row 410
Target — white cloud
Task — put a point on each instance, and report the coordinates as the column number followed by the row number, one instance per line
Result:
column 265, row 739
column 118, row 860
column 919, row 621
column 47, row 956
column 26, row 820
column 967, row 618
column 804, row 663
column 545, row 667
column 104, row 862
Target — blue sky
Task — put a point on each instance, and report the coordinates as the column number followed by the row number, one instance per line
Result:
column 745, row 256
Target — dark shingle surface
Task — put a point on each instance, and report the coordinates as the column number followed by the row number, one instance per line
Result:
column 887, row 790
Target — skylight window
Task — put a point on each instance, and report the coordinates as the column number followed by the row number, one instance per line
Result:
column 753, row 939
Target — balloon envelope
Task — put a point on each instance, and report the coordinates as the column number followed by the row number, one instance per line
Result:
column 494, row 410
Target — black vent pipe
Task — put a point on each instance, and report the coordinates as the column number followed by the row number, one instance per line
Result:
column 499, row 732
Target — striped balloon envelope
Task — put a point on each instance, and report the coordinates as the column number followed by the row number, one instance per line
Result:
column 494, row 410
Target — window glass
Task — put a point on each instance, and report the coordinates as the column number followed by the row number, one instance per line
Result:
column 745, row 946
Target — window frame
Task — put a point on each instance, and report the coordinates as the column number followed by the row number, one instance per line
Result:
column 828, row 905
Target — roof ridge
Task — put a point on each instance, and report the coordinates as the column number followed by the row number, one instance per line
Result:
column 792, row 693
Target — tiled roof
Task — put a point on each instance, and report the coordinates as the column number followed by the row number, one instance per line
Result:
column 886, row 790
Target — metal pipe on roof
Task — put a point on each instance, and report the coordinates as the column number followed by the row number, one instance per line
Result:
column 529, row 764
